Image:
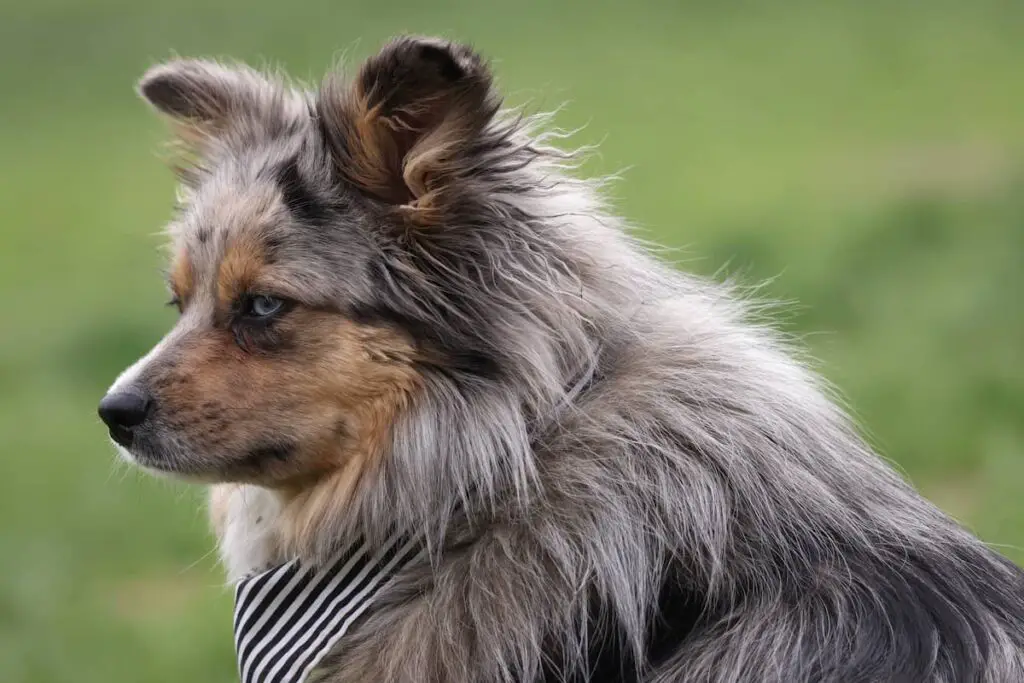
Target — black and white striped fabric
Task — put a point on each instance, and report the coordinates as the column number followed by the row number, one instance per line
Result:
column 288, row 617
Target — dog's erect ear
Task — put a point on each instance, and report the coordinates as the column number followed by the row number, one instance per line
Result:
column 404, row 128
column 204, row 92
column 202, row 97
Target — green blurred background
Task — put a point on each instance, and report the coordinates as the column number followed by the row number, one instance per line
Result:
column 865, row 157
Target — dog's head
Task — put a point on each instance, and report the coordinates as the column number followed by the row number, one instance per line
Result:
column 306, row 257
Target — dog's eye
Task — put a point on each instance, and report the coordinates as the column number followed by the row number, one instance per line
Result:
column 254, row 321
column 262, row 306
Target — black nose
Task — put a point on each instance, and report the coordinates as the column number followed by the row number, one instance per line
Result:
column 122, row 411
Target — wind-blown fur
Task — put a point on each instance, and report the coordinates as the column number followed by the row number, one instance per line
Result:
column 620, row 474
column 643, row 433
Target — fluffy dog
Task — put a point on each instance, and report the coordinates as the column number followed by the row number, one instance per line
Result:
column 401, row 314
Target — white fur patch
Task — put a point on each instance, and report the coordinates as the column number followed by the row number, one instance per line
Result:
column 247, row 538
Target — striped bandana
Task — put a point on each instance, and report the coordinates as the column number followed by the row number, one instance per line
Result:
column 288, row 617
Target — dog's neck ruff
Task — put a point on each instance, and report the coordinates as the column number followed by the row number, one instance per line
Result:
column 289, row 617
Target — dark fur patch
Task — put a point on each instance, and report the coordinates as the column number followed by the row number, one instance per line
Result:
column 415, row 70
column 401, row 131
column 300, row 199
column 610, row 660
column 270, row 452
column 439, row 353
column 173, row 92
column 258, row 336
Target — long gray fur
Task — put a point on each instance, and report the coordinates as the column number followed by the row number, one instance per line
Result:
column 600, row 431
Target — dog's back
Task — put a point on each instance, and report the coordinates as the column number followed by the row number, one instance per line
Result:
column 737, row 529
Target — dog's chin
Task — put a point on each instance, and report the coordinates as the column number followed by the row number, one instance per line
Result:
column 257, row 465
column 164, row 467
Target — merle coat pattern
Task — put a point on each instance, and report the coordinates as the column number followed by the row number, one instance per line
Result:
column 621, row 473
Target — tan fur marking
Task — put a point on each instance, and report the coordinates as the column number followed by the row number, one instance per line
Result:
column 239, row 269
column 375, row 156
column 372, row 406
column 182, row 276
column 373, row 160
column 401, row 125
column 332, row 394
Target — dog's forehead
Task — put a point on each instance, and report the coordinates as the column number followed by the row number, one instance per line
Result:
column 256, row 210
column 226, row 209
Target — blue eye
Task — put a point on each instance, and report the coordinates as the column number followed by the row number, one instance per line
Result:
column 262, row 306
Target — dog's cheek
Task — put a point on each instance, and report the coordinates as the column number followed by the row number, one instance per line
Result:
column 333, row 393
column 357, row 381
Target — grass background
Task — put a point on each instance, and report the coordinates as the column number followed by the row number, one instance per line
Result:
column 866, row 156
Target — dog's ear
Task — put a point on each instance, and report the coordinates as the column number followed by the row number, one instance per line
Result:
column 406, row 126
column 203, row 99
column 201, row 92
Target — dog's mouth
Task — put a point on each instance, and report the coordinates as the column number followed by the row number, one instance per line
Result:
column 270, row 453
column 160, row 465
column 157, row 459
column 171, row 458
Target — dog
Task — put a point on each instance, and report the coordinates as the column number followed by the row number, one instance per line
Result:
column 401, row 313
